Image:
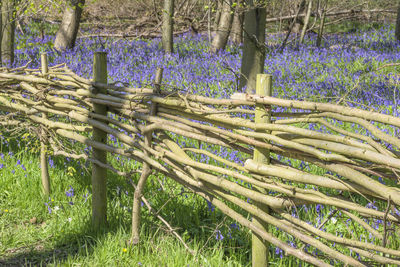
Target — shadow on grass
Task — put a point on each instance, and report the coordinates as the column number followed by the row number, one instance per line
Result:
column 69, row 245
column 190, row 216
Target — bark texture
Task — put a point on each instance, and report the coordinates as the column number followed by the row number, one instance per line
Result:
column 66, row 35
column 253, row 46
column 8, row 30
column 306, row 21
column 168, row 26
column 99, row 173
column 218, row 8
column 224, row 27
column 237, row 24
column 321, row 25
column 298, row 20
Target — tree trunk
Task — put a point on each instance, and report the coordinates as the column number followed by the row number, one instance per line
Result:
column 1, row 33
column 398, row 23
column 237, row 24
column 8, row 31
column 224, row 27
column 209, row 21
column 218, row 7
column 299, row 22
column 306, row 20
column 253, row 46
column 253, row 64
column 168, row 26
column 321, row 25
column 291, row 26
column 66, row 34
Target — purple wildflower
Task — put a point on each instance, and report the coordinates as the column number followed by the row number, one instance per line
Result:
column 210, row 206
column 51, row 162
column 70, row 192
column 219, row 235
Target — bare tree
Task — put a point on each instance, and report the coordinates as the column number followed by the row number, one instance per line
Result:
column 253, row 46
column 66, row 35
column 221, row 37
column 168, row 26
column 298, row 20
column 292, row 26
column 218, row 8
column 306, row 20
column 398, row 22
column 237, row 24
column 322, row 15
column 7, row 31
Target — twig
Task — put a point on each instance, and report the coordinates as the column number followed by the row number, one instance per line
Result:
column 155, row 213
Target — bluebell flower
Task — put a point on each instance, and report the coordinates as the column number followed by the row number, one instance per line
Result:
column 234, row 226
column 51, row 162
column 48, row 207
column 70, row 192
column 219, row 235
column 318, row 208
column 210, row 206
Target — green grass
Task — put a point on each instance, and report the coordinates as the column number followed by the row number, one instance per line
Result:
column 30, row 235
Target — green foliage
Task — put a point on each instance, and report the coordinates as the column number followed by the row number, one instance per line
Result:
column 29, row 233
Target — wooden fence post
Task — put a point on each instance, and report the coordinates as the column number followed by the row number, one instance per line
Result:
column 262, row 115
column 99, row 174
column 146, row 170
column 44, row 167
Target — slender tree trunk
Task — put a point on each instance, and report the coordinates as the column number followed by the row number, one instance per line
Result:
column 398, row 23
column 280, row 16
column 66, row 35
column 253, row 46
column 218, row 8
column 306, row 21
column 168, row 26
column 237, row 24
column 321, row 25
column 209, row 21
column 291, row 27
column 8, row 31
column 224, row 27
column 299, row 22
column 1, row 33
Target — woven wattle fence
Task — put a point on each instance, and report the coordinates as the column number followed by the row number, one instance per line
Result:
column 340, row 156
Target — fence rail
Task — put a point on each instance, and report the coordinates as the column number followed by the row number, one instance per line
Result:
column 342, row 157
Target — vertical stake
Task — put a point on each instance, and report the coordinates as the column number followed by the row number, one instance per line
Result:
column 44, row 168
column 262, row 115
column 99, row 174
